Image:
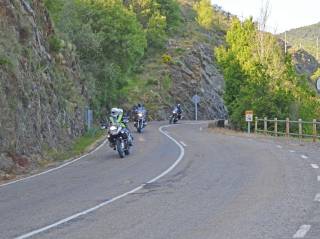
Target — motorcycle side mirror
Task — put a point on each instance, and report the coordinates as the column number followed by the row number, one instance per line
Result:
column 103, row 125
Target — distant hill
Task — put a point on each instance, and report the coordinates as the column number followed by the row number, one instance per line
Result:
column 304, row 37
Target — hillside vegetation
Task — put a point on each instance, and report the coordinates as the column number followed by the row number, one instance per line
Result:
column 128, row 50
column 260, row 77
column 112, row 38
column 304, row 37
column 42, row 98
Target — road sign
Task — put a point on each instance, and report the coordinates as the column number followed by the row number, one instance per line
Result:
column 318, row 84
column 249, row 119
column 249, row 115
column 196, row 99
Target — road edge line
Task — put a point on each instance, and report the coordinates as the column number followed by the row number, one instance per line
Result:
column 92, row 209
column 53, row 169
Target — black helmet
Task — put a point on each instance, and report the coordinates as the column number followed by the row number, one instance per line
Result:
column 139, row 105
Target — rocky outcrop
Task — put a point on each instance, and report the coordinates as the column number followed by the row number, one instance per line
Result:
column 41, row 102
column 305, row 63
column 196, row 73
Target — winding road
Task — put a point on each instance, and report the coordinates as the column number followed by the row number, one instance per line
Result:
column 180, row 182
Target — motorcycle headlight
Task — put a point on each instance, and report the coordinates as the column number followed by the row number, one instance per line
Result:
column 113, row 129
column 140, row 114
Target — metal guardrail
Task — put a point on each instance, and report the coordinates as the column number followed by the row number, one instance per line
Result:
column 299, row 125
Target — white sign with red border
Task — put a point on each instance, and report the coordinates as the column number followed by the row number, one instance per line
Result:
column 249, row 115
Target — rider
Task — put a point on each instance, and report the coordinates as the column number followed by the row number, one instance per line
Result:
column 140, row 108
column 179, row 110
column 117, row 117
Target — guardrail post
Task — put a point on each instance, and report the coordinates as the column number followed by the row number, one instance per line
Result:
column 300, row 129
column 265, row 123
column 256, row 125
column 314, row 130
column 275, row 126
column 287, row 127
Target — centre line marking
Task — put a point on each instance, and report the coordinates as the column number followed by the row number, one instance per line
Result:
column 302, row 232
column 315, row 166
column 109, row 201
column 184, row 145
column 304, row 156
column 317, row 197
column 292, row 151
column 279, row 147
column 318, row 178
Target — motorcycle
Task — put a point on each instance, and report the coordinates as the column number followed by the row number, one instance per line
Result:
column 173, row 119
column 140, row 120
column 120, row 139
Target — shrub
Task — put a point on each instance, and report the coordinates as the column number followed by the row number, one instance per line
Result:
column 55, row 44
column 166, row 58
column 4, row 61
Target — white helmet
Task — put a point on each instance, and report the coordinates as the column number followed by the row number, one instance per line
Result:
column 114, row 112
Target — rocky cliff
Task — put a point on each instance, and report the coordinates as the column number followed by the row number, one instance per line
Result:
column 197, row 73
column 184, row 68
column 305, row 63
column 41, row 96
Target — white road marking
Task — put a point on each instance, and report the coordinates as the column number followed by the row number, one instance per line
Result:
column 292, row 151
column 304, row 156
column 54, row 169
column 279, row 146
column 317, row 197
column 92, row 209
column 313, row 165
column 184, row 145
column 318, row 178
column 200, row 128
column 302, row 232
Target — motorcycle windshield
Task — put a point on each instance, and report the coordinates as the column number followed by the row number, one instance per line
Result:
column 115, row 123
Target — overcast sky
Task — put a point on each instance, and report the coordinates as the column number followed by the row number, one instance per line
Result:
column 285, row 14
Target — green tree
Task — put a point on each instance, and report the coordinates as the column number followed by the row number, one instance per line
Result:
column 171, row 10
column 259, row 77
column 54, row 7
column 144, row 10
column 205, row 13
column 110, row 43
column 156, row 31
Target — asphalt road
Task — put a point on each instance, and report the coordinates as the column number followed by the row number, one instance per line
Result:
column 210, row 186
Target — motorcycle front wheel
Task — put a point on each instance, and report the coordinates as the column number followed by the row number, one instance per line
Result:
column 171, row 120
column 139, row 128
column 127, row 151
column 120, row 148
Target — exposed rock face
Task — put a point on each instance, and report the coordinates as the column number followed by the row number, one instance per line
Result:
column 305, row 63
column 197, row 73
column 41, row 102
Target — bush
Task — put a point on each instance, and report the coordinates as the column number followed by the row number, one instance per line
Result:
column 166, row 59
column 4, row 61
column 55, row 44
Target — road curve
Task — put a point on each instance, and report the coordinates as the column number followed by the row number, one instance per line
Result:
column 224, row 187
